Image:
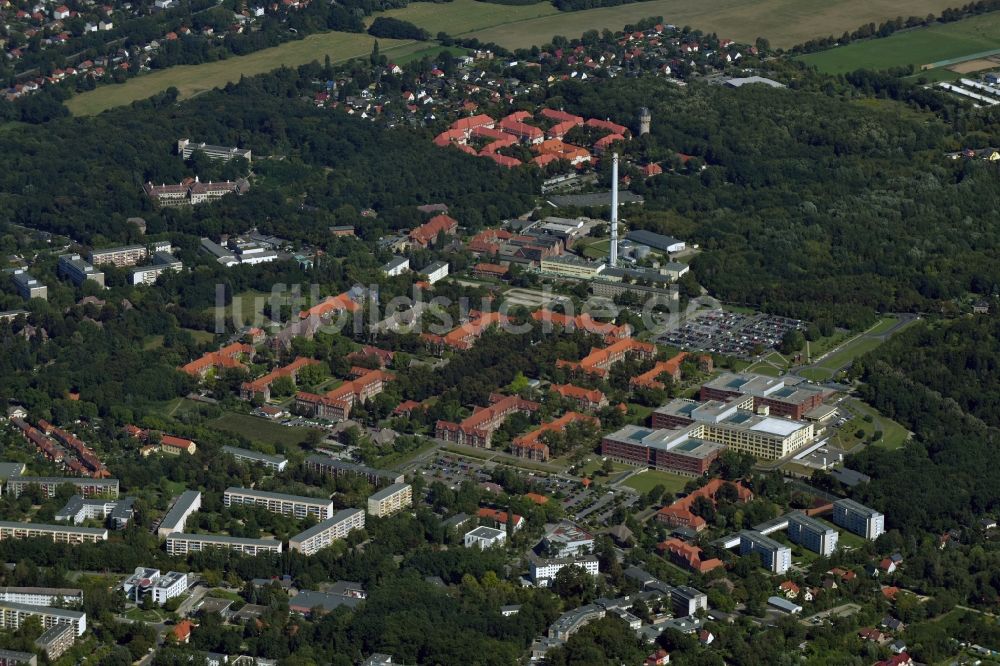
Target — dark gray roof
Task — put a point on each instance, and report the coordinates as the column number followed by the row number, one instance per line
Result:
column 653, row 240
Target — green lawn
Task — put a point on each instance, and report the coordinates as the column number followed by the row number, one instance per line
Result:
column 815, row 374
column 913, row 47
column 883, row 325
column 193, row 79
column 646, row 480
column 219, row 593
column 846, row 354
column 200, row 337
column 152, row 615
column 597, row 248
column 894, row 435
column 260, row 430
column 771, row 365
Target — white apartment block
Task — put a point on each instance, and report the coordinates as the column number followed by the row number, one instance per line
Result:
column 544, row 570
column 58, row 533
column 858, row 518
column 176, row 517
column 42, row 596
column 84, row 486
column 128, row 255
column 389, row 500
column 185, row 148
column 287, row 505
column 13, row 615
column 182, row 544
column 276, row 463
column 325, row 533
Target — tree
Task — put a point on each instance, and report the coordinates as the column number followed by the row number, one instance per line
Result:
column 573, row 582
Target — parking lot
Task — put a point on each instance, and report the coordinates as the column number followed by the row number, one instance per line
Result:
column 594, row 504
column 732, row 333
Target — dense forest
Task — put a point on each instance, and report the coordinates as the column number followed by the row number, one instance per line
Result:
column 104, row 161
column 811, row 203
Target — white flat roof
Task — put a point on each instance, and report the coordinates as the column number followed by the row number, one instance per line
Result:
column 775, row 426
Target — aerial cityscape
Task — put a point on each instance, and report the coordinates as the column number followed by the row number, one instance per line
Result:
column 499, row 332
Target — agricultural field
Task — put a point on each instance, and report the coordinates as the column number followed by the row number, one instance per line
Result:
column 460, row 17
column 914, row 47
column 784, row 22
column 193, row 79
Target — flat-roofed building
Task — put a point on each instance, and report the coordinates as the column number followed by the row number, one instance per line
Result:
column 276, row 463
column 160, row 587
column 435, row 271
column 78, row 271
column 13, row 615
column 812, row 534
column 57, row 533
column 323, row 534
column 49, row 484
column 13, row 658
column 733, row 424
column 484, row 537
column 656, row 241
column 296, row 506
column 784, row 396
column 571, row 266
column 127, row 255
column 79, row 509
column 42, row 596
column 185, row 148
column 389, row 500
column 774, row 556
column 27, row 286
column 176, row 518
column 163, row 262
column 669, row 450
column 55, row 640
column 858, row 518
column 572, row 621
column 181, row 544
column 687, row 601
column 334, row 467
column 396, row 266
column 543, row 570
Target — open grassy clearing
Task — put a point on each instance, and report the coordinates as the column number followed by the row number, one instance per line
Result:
column 848, row 353
column 648, row 479
column 914, row 47
column 258, row 430
column 894, row 435
column 883, row 325
column 784, row 22
column 193, row 79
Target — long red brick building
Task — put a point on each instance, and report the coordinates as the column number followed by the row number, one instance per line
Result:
column 477, row 430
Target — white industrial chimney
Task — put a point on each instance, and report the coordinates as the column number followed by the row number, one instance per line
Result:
column 613, row 259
